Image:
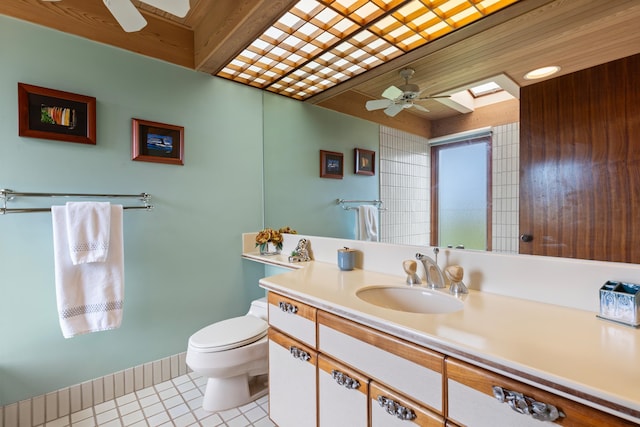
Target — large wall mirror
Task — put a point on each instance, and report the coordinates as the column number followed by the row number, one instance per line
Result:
column 587, row 48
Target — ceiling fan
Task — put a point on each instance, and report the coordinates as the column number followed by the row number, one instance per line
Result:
column 396, row 99
column 130, row 19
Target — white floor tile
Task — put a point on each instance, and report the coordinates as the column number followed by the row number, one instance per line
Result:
column 132, row 418
column 129, row 407
column 175, row 403
column 150, row 411
column 158, row 419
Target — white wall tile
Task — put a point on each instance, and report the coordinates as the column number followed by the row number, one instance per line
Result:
column 24, row 413
column 11, row 415
column 75, row 396
column 38, row 410
column 51, row 406
column 64, row 402
column 87, row 394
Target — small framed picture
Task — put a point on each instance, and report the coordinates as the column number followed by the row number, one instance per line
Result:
column 331, row 164
column 54, row 114
column 365, row 161
column 157, row 142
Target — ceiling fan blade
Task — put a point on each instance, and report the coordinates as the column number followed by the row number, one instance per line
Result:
column 378, row 104
column 426, row 98
column 392, row 93
column 178, row 8
column 393, row 110
column 126, row 14
column 421, row 108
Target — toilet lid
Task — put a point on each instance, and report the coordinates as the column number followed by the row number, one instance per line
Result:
column 230, row 333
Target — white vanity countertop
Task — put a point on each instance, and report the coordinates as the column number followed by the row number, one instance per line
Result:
column 566, row 350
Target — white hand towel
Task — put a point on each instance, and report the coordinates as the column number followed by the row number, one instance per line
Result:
column 88, row 231
column 368, row 223
column 89, row 296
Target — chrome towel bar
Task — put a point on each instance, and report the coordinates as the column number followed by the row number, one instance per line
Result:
column 9, row 195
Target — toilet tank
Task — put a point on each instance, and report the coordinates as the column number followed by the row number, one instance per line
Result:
column 259, row 308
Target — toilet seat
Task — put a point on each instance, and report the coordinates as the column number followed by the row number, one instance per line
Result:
column 228, row 334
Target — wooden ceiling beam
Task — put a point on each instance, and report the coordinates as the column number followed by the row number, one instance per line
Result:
column 229, row 26
column 160, row 39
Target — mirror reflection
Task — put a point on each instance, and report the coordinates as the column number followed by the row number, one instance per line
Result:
column 402, row 182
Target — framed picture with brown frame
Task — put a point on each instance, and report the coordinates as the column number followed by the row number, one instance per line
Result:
column 331, row 164
column 365, row 161
column 55, row 114
column 157, row 142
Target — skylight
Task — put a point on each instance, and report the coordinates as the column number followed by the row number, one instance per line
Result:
column 343, row 38
column 485, row 89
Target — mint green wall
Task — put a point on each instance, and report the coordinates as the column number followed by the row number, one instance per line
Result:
column 295, row 195
column 182, row 263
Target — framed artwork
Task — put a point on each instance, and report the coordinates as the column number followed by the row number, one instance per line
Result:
column 365, row 161
column 331, row 164
column 157, row 142
column 54, row 114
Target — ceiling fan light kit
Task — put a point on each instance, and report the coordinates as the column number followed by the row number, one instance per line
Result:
column 396, row 99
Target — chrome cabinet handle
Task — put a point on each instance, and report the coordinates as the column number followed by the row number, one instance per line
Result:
column 299, row 354
column 287, row 307
column 345, row 380
column 394, row 408
column 527, row 405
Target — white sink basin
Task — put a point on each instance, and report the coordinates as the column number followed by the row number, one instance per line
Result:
column 410, row 299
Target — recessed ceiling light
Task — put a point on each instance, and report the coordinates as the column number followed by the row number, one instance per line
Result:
column 542, row 72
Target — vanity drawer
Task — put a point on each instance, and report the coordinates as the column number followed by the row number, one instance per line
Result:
column 406, row 367
column 471, row 402
column 342, row 395
column 293, row 318
column 292, row 382
column 384, row 401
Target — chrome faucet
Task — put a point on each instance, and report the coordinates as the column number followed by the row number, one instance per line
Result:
column 433, row 274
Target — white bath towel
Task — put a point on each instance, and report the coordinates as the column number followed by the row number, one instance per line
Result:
column 368, row 223
column 89, row 296
column 88, row 226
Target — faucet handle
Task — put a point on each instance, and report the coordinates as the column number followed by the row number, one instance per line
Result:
column 410, row 267
column 455, row 273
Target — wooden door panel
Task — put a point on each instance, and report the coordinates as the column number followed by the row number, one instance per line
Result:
column 580, row 164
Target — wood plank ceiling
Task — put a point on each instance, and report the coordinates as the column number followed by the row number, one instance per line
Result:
column 574, row 34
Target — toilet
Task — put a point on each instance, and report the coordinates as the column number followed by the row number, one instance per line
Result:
column 232, row 355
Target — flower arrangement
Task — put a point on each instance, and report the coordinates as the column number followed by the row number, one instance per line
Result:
column 269, row 235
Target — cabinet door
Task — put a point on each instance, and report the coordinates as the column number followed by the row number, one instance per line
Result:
column 294, row 318
column 292, row 382
column 408, row 368
column 342, row 395
column 390, row 409
column 473, row 401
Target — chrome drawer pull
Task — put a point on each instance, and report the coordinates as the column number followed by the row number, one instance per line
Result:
column 299, row 354
column 288, row 307
column 345, row 380
column 527, row 405
column 396, row 409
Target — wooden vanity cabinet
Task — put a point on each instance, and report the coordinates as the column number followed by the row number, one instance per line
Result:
column 315, row 357
column 342, row 395
column 472, row 401
column 293, row 361
column 408, row 368
column 386, row 403
column 292, row 382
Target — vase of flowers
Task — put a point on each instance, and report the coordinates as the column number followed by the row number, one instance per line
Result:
column 269, row 241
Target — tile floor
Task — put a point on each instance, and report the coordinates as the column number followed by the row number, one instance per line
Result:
column 177, row 402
